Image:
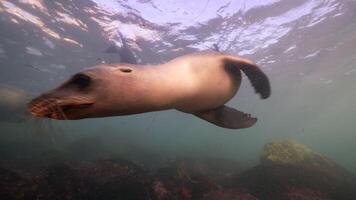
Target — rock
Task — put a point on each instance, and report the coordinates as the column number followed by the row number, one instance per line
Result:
column 290, row 170
column 180, row 183
column 272, row 182
column 101, row 179
column 304, row 194
column 290, row 152
column 229, row 194
column 123, row 187
column 13, row 186
column 160, row 191
column 60, row 182
column 115, row 179
column 217, row 169
column 167, row 183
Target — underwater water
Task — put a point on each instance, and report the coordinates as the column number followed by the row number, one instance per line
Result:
column 307, row 48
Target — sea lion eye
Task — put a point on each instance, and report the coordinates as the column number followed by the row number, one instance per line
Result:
column 81, row 80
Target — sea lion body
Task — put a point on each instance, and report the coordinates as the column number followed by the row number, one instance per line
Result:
column 199, row 83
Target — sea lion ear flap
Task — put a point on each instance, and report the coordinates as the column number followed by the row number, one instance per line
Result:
column 125, row 69
column 227, row 117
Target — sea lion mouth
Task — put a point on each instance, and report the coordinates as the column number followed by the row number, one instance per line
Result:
column 68, row 109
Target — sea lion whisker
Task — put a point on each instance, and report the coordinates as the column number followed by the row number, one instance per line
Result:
column 50, row 107
column 60, row 110
column 35, row 105
column 36, row 108
column 44, row 104
column 56, row 109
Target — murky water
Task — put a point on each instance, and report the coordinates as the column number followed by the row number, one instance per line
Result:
column 306, row 48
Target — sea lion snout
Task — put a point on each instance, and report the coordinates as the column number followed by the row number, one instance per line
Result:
column 83, row 95
column 45, row 106
column 71, row 100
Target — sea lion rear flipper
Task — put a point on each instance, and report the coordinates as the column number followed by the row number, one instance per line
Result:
column 227, row 117
column 258, row 79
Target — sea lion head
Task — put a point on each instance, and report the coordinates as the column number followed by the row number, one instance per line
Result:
column 97, row 91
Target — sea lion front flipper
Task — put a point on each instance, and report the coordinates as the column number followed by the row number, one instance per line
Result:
column 227, row 117
column 258, row 79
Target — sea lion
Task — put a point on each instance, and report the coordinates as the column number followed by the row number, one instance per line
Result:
column 125, row 52
column 199, row 83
